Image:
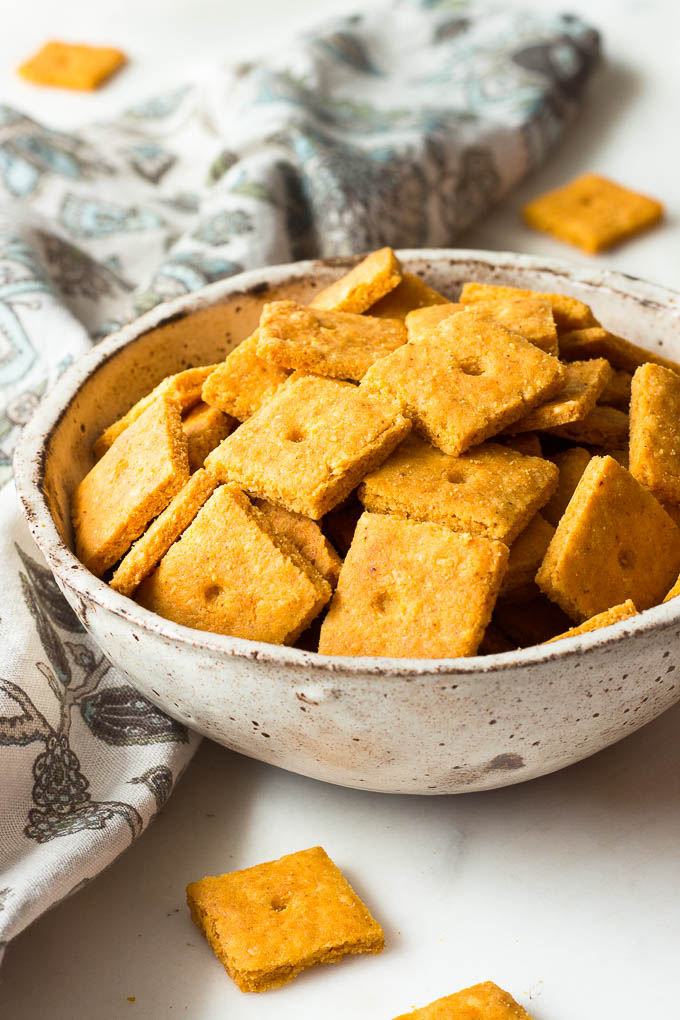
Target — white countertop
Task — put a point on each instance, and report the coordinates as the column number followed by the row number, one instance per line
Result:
column 564, row 890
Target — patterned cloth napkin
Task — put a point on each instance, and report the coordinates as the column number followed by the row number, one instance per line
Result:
column 398, row 126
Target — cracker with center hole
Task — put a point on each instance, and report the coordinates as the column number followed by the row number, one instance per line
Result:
column 490, row 491
column 205, row 427
column 421, row 322
column 72, row 66
column 469, row 380
column 568, row 312
column 606, row 619
column 571, row 464
column 531, row 621
column 311, row 444
column 243, row 383
column 184, row 389
column 617, row 391
column 307, row 536
column 583, row 384
column 267, row 923
column 356, row 291
column 655, row 431
column 597, row 342
column 613, row 543
column 485, row 1001
column 389, row 599
column 343, row 345
column 593, row 213
column 149, row 550
column 530, row 315
column 603, row 426
column 408, row 295
column 130, row 485
column 526, row 556
column 231, row 573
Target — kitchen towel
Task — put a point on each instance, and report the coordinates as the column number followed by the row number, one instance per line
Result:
column 398, row 126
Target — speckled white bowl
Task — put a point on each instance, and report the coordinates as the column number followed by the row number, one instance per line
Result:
column 392, row 725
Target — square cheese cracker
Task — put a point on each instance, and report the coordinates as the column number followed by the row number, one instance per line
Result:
column 655, row 431
column 596, row 342
column 568, row 312
column 306, row 535
column 571, row 464
column 469, row 380
column 530, row 315
column 408, row 295
column 267, row 923
column 205, row 427
column 230, row 573
column 339, row 344
column 603, row 426
column 592, row 213
column 243, row 383
column 485, row 1001
column 526, row 556
column 130, row 485
column 423, row 321
column 370, row 280
column 413, row 589
column 311, row 444
column 72, row 66
column 613, row 543
column 491, row 490
column 583, row 384
column 606, row 619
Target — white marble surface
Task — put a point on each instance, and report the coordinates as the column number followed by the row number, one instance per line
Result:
column 564, row 890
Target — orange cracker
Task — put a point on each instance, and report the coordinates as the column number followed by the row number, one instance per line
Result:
column 530, row 315
column 603, row 426
column 568, row 312
column 340, row 344
column 311, row 444
column 423, row 321
column 584, row 383
column 531, row 621
column 390, row 596
column 184, row 388
column 596, row 342
column 70, row 66
column 606, row 619
column 674, row 592
column 370, row 280
column 481, row 1002
column 243, row 383
column 592, row 213
column 526, row 555
column 490, row 491
column 205, row 427
column 571, row 464
column 655, row 431
column 134, row 480
column 469, row 380
column 408, row 295
column 148, row 551
column 613, row 543
column 267, row 923
column 617, row 391
column 307, row 536
column 231, row 573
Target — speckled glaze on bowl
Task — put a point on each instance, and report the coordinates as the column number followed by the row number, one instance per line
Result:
column 392, row 725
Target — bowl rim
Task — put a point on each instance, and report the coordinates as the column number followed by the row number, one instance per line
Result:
column 31, row 453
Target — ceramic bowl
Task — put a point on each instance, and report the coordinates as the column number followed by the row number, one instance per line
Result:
column 393, row 725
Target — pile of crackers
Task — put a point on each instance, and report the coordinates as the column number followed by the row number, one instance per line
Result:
column 387, row 471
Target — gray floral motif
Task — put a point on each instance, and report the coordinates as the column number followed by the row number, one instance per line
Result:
column 222, row 226
column 75, row 273
column 151, row 161
column 181, row 273
column 90, row 218
column 158, row 780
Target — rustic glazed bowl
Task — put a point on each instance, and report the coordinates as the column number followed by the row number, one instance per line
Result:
column 392, row 725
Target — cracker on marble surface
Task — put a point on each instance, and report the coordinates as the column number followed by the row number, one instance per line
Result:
column 490, row 491
column 72, row 66
column 389, row 596
column 606, row 619
column 485, row 1001
column 614, row 542
column 469, row 380
column 130, row 485
column 267, row 923
column 343, row 345
column 593, row 213
column 373, row 278
column 311, row 444
column 231, row 573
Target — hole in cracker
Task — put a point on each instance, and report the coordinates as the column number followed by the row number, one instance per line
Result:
column 212, row 592
column 626, row 558
column 471, row 366
column 382, row 601
column 296, row 435
column 278, row 903
column 455, row 476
